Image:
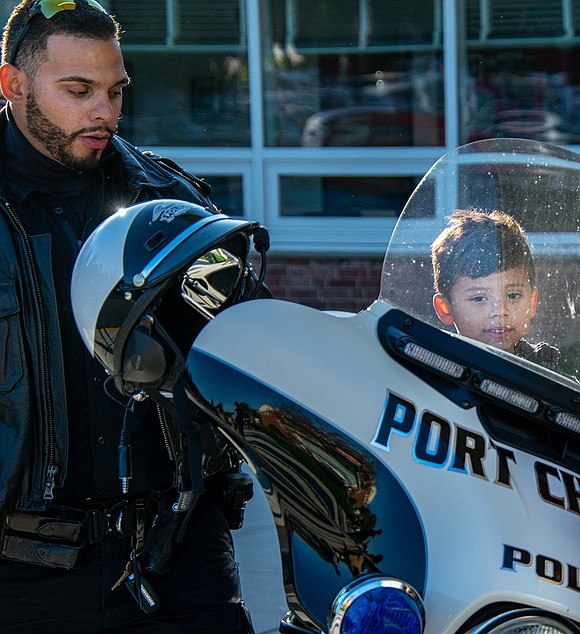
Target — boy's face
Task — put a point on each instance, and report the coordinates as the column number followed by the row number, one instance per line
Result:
column 496, row 309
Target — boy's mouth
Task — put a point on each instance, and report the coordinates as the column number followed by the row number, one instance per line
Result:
column 499, row 332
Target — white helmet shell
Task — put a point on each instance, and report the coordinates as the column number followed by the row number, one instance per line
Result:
column 134, row 254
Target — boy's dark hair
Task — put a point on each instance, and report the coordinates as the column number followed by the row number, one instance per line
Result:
column 83, row 21
column 476, row 244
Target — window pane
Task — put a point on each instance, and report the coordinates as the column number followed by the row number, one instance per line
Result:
column 210, row 22
column 538, row 204
column 194, row 22
column 345, row 196
column 352, row 73
column 189, row 69
column 202, row 99
column 421, row 29
column 519, row 18
column 523, row 78
column 226, row 193
column 339, row 19
column 143, row 21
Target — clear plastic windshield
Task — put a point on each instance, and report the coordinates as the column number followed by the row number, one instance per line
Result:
column 488, row 246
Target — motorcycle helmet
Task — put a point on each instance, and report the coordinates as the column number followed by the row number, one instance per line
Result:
column 148, row 279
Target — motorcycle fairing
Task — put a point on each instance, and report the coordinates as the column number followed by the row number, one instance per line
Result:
column 339, row 511
column 335, row 369
column 535, row 432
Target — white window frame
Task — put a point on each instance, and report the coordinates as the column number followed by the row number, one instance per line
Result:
column 262, row 167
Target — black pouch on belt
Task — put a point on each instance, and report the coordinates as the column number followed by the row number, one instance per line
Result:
column 52, row 538
column 165, row 534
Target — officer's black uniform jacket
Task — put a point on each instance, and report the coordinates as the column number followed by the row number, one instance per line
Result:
column 33, row 416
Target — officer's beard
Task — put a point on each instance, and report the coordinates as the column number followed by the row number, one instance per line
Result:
column 56, row 141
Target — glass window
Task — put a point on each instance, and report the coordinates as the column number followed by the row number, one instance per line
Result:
column 538, row 203
column 209, row 22
column 143, row 22
column 226, row 193
column 353, row 73
column 523, row 78
column 189, row 68
column 339, row 19
column 360, row 196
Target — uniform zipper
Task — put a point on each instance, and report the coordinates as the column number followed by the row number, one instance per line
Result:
column 52, row 468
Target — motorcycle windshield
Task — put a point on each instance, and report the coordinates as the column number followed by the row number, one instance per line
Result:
column 488, row 247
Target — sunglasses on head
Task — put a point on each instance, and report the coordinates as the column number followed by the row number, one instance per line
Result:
column 48, row 8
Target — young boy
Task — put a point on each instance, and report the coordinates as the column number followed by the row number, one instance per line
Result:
column 485, row 283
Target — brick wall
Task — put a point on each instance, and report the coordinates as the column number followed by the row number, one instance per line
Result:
column 350, row 284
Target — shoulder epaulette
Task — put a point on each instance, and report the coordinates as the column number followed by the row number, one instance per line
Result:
column 172, row 166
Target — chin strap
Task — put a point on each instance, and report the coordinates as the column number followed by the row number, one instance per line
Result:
column 190, row 479
column 169, row 526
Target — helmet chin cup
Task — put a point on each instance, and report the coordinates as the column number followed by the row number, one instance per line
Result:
column 144, row 362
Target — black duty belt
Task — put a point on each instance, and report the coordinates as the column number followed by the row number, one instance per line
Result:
column 55, row 537
column 117, row 520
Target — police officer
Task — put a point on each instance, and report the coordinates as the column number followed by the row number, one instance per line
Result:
column 72, row 537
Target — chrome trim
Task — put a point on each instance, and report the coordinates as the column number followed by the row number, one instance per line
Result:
column 521, row 617
column 182, row 237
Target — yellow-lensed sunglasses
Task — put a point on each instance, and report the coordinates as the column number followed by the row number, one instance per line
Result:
column 48, row 8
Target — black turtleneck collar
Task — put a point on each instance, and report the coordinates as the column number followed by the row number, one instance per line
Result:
column 27, row 170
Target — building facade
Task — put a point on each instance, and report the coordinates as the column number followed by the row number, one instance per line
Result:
column 319, row 117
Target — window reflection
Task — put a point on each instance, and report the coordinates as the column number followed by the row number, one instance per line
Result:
column 523, row 79
column 345, row 196
column 350, row 73
column 189, row 68
column 206, row 102
column 227, row 194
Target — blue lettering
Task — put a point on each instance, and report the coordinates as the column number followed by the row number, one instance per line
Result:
column 398, row 417
column 432, row 441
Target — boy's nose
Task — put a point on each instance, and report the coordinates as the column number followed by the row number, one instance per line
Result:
column 499, row 308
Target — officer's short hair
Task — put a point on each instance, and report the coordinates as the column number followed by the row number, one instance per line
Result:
column 84, row 21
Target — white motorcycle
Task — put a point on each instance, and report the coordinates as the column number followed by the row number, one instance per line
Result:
column 421, row 482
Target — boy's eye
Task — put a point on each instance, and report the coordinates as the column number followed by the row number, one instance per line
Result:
column 514, row 295
column 478, row 298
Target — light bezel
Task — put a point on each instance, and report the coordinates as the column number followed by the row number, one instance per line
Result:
column 433, row 360
column 361, row 585
column 508, row 395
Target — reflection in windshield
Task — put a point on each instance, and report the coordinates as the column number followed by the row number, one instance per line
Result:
column 497, row 260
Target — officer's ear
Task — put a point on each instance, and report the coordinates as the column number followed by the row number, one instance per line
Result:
column 13, row 83
column 443, row 309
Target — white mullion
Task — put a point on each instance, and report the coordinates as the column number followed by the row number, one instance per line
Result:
column 365, row 17
column 172, row 22
column 291, row 17
column 452, row 71
column 484, row 20
column 254, row 189
column 568, row 18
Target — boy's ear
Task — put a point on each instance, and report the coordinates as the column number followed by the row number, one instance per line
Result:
column 443, row 310
column 534, row 302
